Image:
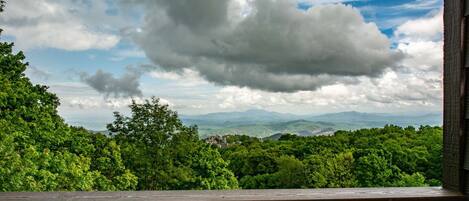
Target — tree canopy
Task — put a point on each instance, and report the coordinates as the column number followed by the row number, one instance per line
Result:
column 165, row 154
column 379, row 157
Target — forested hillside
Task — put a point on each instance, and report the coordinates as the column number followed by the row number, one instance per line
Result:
column 153, row 150
column 262, row 123
column 389, row 156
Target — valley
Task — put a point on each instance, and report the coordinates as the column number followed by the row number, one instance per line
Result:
column 262, row 123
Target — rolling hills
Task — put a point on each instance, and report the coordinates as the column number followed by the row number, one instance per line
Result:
column 262, row 123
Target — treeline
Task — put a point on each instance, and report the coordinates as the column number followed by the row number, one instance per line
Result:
column 389, row 156
column 152, row 150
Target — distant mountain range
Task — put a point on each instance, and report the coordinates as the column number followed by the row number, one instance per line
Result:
column 246, row 117
column 262, row 123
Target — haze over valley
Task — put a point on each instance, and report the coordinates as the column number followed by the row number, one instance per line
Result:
column 263, row 123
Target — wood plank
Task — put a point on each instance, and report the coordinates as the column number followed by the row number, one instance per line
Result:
column 466, row 41
column 453, row 86
column 466, row 152
column 466, row 189
column 466, row 8
column 465, row 148
column 388, row 194
column 466, row 103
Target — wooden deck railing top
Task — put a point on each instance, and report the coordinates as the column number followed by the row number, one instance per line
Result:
column 369, row 194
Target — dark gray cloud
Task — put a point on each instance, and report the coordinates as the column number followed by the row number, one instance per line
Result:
column 269, row 45
column 125, row 86
column 196, row 15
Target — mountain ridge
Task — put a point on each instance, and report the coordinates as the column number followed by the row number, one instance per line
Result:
column 259, row 115
column 262, row 123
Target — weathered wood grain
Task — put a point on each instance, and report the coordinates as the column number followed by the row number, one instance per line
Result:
column 466, row 152
column 466, row 188
column 388, row 194
column 453, row 86
column 465, row 147
column 466, row 8
column 466, row 43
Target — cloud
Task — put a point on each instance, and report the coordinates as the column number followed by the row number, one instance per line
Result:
column 320, row 2
column 424, row 29
column 420, row 5
column 424, row 55
column 125, row 86
column 110, row 103
column 55, row 24
column 415, row 86
column 128, row 53
column 37, row 74
column 85, row 103
column 392, row 14
column 393, row 92
column 187, row 77
column 267, row 45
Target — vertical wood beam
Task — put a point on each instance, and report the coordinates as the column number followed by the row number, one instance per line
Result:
column 453, row 101
column 465, row 149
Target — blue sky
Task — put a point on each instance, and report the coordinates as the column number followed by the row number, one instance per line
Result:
column 206, row 60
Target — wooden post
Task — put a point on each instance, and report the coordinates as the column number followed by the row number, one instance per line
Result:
column 454, row 85
column 465, row 137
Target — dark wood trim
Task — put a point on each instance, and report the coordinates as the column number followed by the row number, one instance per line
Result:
column 465, row 137
column 466, row 8
column 349, row 194
column 454, row 96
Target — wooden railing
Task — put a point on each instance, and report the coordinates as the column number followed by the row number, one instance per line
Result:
column 369, row 194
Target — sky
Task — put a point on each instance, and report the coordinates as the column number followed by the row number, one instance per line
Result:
column 290, row 56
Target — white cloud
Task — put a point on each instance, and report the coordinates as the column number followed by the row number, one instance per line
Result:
column 122, row 54
column 394, row 14
column 85, row 103
column 187, row 77
column 426, row 55
column 392, row 92
column 320, row 2
column 242, row 98
column 424, row 29
column 54, row 24
column 235, row 97
column 109, row 103
column 420, row 5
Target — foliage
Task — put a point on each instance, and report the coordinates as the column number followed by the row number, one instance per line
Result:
column 38, row 151
column 165, row 154
column 376, row 157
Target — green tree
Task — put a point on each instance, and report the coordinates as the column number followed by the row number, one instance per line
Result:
column 33, row 135
column 106, row 159
column 373, row 171
column 331, row 171
column 413, row 180
column 164, row 153
column 38, row 151
column 291, row 173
